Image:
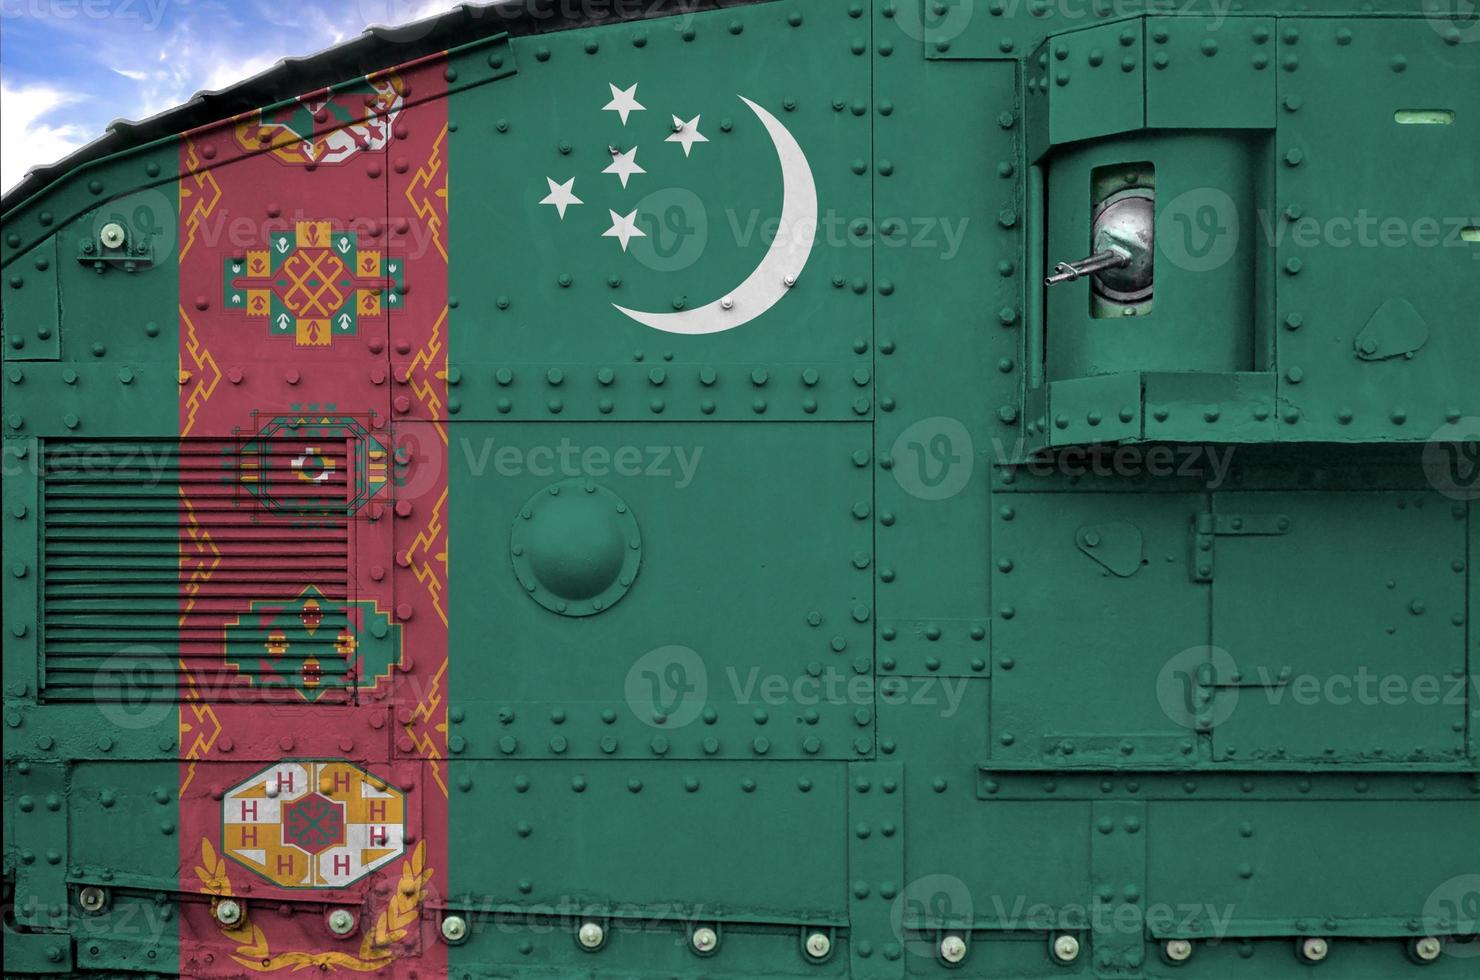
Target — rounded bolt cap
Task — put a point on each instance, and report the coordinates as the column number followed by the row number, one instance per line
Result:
column 1177, row 950
column 1314, row 949
column 342, row 922
column 704, row 940
column 819, row 944
column 112, row 235
column 952, row 948
column 1066, row 948
column 454, row 928
column 92, row 899
column 228, row 912
column 1427, row 949
column 591, row 935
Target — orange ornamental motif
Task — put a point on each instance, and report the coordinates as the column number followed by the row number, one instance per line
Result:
column 312, row 283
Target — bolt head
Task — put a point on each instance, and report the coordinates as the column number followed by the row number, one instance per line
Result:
column 1314, row 949
column 591, row 935
column 112, row 235
column 727, row 302
column 704, row 939
column 92, row 899
column 818, row 945
column 1178, row 950
column 342, row 922
column 454, row 928
column 953, row 948
column 1427, row 949
column 1066, row 948
column 228, row 912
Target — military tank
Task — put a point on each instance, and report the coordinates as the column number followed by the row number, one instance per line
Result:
column 888, row 463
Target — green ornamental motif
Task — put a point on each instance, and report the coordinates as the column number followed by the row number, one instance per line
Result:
column 313, row 463
column 311, row 644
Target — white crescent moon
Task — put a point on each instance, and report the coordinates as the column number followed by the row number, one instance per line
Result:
column 783, row 262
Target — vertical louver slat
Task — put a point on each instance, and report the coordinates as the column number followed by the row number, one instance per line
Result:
column 223, row 559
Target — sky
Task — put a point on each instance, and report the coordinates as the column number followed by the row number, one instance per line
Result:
column 70, row 67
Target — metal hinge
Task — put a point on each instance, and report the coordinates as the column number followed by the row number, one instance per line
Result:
column 1207, row 526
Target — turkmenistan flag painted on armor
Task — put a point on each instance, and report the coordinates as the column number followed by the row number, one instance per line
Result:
column 313, row 602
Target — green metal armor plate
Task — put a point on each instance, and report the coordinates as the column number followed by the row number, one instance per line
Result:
column 848, row 488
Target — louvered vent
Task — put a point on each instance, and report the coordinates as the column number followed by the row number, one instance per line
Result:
column 200, row 566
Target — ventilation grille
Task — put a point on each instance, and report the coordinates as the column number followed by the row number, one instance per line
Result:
column 207, row 566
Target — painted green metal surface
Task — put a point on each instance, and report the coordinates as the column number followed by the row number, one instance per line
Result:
column 709, row 548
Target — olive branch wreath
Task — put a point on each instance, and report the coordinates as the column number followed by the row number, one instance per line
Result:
column 376, row 949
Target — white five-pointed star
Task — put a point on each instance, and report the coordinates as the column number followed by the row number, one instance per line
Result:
column 624, row 165
column 624, row 101
column 687, row 133
column 561, row 195
column 624, row 228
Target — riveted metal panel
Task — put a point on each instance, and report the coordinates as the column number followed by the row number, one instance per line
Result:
column 32, row 320
column 1102, row 409
column 875, row 805
column 1211, row 74
column 804, row 679
column 109, row 802
column 1376, row 287
column 543, row 323
column 1085, row 84
column 1051, row 672
column 1266, row 866
column 580, row 838
column 36, row 833
column 20, row 541
column 737, row 635
column 1380, row 674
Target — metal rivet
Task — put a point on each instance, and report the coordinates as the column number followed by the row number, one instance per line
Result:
column 1427, row 949
column 454, row 928
column 342, row 922
column 704, row 940
column 952, row 948
column 591, row 935
column 92, row 899
column 818, row 945
column 228, row 912
column 1177, row 950
column 1066, row 948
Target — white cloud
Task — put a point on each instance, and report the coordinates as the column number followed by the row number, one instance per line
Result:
column 204, row 48
column 27, row 137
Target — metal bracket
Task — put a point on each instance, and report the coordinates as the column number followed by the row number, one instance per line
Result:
column 129, row 257
column 1207, row 526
